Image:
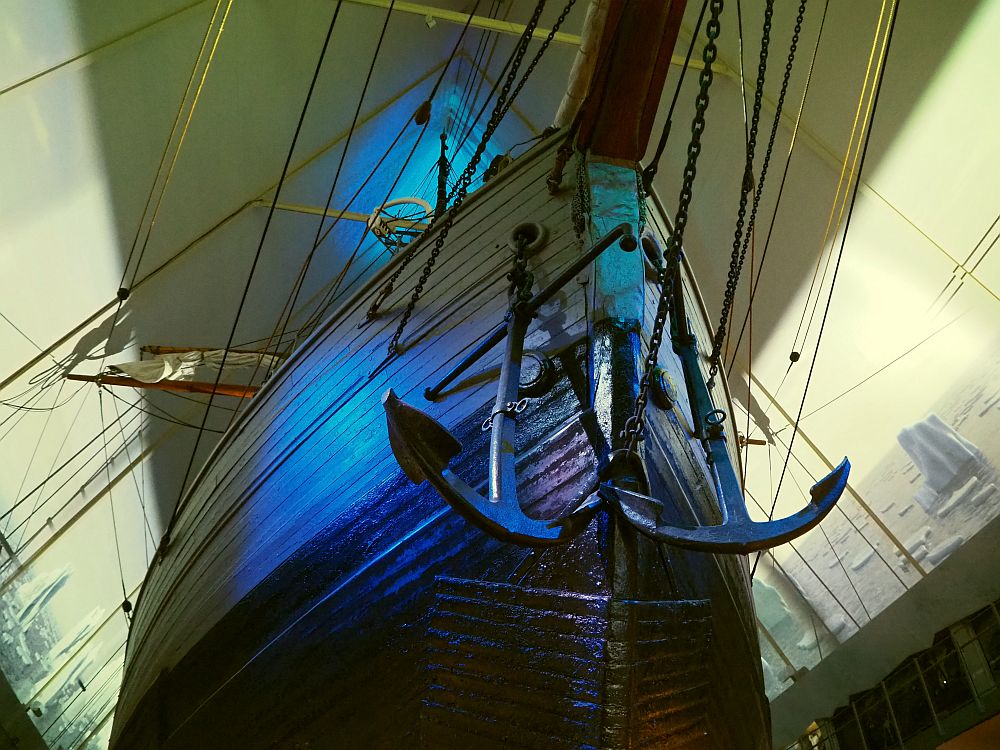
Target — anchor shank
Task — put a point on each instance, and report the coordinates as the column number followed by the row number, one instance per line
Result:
column 502, row 454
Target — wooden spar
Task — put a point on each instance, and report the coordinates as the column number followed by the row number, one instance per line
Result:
column 151, row 349
column 187, row 386
column 617, row 116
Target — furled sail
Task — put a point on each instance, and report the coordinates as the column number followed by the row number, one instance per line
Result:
column 184, row 365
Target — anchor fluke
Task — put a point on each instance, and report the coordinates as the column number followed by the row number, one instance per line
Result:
column 437, row 447
column 738, row 534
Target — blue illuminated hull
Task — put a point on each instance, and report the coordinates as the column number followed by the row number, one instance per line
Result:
column 312, row 596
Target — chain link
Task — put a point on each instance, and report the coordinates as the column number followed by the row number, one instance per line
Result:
column 740, row 243
column 634, row 425
column 503, row 104
column 581, row 200
column 640, row 191
column 520, row 277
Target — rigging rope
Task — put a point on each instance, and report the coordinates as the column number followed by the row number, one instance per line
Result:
column 812, row 570
column 650, row 171
column 315, row 318
column 470, row 105
column 140, row 495
column 124, row 288
column 474, row 65
column 253, row 265
column 968, row 272
column 877, row 372
column 34, row 453
column 502, row 106
column 836, row 271
column 841, row 183
column 111, row 495
column 285, row 316
column 52, row 473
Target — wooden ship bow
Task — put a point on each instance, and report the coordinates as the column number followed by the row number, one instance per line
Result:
column 518, row 525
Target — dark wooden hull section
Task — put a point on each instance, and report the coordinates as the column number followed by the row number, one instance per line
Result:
column 394, row 623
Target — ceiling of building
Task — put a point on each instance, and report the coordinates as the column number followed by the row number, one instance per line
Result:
column 134, row 160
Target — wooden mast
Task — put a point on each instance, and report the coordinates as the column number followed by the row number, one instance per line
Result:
column 637, row 43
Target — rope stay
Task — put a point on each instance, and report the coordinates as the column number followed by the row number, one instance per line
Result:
column 503, row 103
column 873, row 106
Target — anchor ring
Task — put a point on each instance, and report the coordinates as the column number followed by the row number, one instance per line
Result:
column 715, row 417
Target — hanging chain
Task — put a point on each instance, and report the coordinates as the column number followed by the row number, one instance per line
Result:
column 521, row 279
column 739, row 252
column 640, row 191
column 774, row 130
column 581, row 200
column 634, row 425
column 503, row 104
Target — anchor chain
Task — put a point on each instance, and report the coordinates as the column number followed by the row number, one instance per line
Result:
column 504, row 101
column 634, row 424
column 581, row 200
column 741, row 242
column 520, row 277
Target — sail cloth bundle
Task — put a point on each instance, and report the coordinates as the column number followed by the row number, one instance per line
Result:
column 184, row 365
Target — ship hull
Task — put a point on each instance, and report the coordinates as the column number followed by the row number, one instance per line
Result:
column 311, row 596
